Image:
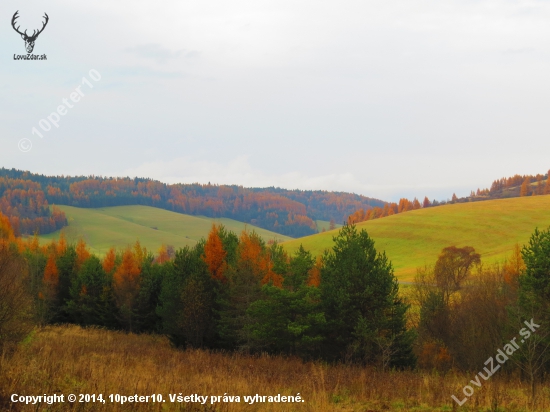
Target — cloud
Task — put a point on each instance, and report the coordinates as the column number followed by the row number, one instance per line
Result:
column 159, row 53
column 139, row 71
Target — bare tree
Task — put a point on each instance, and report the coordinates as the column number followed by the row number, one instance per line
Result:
column 452, row 268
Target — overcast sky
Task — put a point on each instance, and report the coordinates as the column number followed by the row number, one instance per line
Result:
column 382, row 98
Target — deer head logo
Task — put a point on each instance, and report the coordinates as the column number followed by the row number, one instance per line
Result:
column 29, row 40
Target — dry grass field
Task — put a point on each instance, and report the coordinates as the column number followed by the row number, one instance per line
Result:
column 68, row 359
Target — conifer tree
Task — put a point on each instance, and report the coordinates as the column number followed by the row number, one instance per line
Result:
column 365, row 315
column 90, row 302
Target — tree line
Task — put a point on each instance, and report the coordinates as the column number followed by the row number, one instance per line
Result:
column 515, row 186
column 228, row 292
column 288, row 212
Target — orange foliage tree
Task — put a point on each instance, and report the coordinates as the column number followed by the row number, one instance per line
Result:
column 524, row 190
column 214, row 254
column 314, row 278
column 82, row 253
column 51, row 273
column 109, row 261
column 254, row 258
column 126, row 287
column 163, row 255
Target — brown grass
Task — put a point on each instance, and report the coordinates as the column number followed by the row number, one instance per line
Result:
column 68, row 359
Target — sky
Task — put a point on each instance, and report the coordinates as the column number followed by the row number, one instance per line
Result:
column 388, row 99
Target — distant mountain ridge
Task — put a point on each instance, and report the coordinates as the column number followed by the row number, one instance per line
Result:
column 288, row 212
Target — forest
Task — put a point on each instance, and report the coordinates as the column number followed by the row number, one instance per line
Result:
column 25, row 199
column 25, row 196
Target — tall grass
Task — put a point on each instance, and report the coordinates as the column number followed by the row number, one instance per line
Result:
column 69, row 359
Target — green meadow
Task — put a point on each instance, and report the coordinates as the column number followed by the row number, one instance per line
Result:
column 121, row 226
column 416, row 238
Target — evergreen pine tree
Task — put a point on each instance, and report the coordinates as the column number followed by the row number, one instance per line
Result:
column 365, row 316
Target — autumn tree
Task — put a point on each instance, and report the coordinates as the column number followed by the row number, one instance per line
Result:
column 82, row 253
column 126, row 288
column 214, row 254
column 6, row 231
column 61, row 244
column 162, row 255
column 513, row 268
column 524, row 190
column 140, row 254
column 314, row 275
column 109, row 261
column 539, row 190
column 426, row 202
column 453, row 266
column 244, row 287
column 51, row 274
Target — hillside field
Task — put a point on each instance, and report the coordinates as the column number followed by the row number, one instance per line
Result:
column 415, row 238
column 121, row 226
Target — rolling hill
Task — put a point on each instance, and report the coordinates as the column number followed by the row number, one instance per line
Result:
column 416, row 238
column 122, row 225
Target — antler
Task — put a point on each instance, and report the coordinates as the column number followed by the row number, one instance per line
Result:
column 43, row 25
column 15, row 17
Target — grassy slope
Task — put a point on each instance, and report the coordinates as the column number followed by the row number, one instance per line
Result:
column 415, row 238
column 123, row 225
